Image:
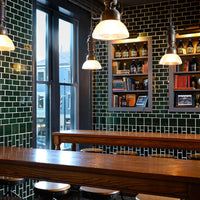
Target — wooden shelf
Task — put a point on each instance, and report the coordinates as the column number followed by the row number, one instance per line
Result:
column 131, row 91
column 130, row 58
column 115, row 96
column 122, row 75
column 175, row 75
column 189, row 72
column 186, row 90
column 189, row 55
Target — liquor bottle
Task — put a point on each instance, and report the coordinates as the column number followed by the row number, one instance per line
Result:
column 118, row 52
column 139, row 66
column 125, row 51
column 193, row 82
column 133, row 67
column 133, row 52
column 193, row 64
column 190, row 47
column 123, row 101
column 144, row 51
column 180, row 48
column 198, row 47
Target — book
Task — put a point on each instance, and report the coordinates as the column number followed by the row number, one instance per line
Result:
column 118, row 84
column 182, row 82
column 142, row 101
column 131, row 99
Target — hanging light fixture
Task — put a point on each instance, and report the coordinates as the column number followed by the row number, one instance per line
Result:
column 110, row 27
column 6, row 43
column 171, row 57
column 91, row 63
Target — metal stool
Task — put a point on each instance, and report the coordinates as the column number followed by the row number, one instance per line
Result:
column 45, row 190
column 92, row 150
column 10, row 182
column 97, row 193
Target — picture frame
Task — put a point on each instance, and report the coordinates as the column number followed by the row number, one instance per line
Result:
column 142, row 101
column 184, row 100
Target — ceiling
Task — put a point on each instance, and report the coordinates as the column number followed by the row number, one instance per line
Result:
column 135, row 2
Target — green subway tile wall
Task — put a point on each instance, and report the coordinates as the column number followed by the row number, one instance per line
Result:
column 16, row 87
column 152, row 18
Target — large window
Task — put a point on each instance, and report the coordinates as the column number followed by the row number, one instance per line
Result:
column 56, row 85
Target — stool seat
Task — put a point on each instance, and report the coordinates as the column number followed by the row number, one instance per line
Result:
column 132, row 153
column 10, row 180
column 153, row 197
column 162, row 156
column 51, row 186
column 194, row 156
column 92, row 150
column 98, row 191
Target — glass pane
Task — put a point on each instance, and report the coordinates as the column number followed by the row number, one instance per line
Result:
column 65, row 51
column 41, row 48
column 42, row 125
column 66, row 95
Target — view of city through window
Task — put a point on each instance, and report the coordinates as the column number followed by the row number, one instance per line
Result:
column 43, row 82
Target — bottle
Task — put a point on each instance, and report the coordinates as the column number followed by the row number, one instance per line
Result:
column 133, row 67
column 144, row 51
column 198, row 47
column 133, row 52
column 190, row 47
column 118, row 52
column 193, row 64
column 139, row 66
column 180, row 48
column 123, row 101
column 193, row 82
column 125, row 51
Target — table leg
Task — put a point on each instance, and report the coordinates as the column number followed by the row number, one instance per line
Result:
column 194, row 192
column 73, row 146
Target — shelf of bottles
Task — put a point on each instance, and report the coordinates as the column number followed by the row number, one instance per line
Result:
column 130, row 74
column 186, row 77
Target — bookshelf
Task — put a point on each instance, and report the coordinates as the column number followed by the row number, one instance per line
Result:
column 130, row 75
column 184, row 85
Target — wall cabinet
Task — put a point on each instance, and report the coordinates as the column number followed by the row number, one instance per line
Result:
column 130, row 74
column 184, row 88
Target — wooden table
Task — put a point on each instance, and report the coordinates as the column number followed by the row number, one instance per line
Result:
column 167, row 177
column 135, row 139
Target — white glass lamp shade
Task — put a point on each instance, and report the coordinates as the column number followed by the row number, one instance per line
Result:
column 6, row 43
column 170, row 59
column 110, row 30
column 91, row 65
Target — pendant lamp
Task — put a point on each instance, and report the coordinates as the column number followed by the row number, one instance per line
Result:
column 6, row 43
column 110, row 27
column 91, row 63
column 171, row 57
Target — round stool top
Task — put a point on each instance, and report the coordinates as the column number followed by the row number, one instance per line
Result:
column 98, row 190
column 92, row 150
column 194, row 156
column 10, row 180
column 162, row 156
column 132, row 153
column 51, row 186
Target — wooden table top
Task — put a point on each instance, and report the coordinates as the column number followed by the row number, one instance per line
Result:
column 168, row 177
column 136, row 139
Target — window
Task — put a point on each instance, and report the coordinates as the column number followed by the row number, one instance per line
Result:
column 56, row 85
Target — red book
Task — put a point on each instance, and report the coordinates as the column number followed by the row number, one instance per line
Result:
column 181, row 82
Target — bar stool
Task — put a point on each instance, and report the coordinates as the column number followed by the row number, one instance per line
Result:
column 45, row 190
column 11, row 182
column 92, row 150
column 155, row 197
column 97, row 193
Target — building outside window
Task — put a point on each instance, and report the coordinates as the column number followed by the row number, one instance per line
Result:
column 56, row 85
